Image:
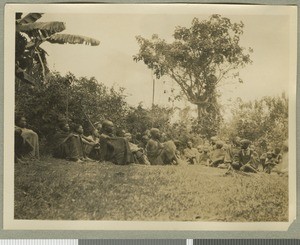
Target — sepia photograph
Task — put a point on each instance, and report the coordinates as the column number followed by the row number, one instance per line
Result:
column 136, row 114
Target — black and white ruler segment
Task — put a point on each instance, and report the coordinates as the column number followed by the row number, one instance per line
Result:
column 149, row 242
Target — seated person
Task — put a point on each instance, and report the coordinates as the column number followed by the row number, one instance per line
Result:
column 232, row 152
column 92, row 147
column 112, row 148
column 160, row 153
column 22, row 147
column 97, row 126
column 217, row 155
column 138, row 152
column 212, row 143
column 178, row 153
column 200, row 148
column 144, row 141
column 78, row 131
column 277, row 156
column 67, row 145
column 191, row 154
column 247, row 159
column 263, row 158
column 270, row 162
column 204, row 157
column 282, row 165
column 26, row 140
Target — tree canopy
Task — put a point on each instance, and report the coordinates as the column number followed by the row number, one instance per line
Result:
column 199, row 58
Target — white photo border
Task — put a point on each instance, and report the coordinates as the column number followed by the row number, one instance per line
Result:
column 9, row 223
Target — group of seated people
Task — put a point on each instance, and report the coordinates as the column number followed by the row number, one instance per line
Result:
column 152, row 148
column 240, row 154
column 105, row 146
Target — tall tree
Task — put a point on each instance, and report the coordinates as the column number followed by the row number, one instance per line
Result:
column 31, row 63
column 199, row 59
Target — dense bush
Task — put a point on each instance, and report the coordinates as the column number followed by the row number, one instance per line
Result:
column 140, row 119
column 66, row 97
column 86, row 101
column 263, row 121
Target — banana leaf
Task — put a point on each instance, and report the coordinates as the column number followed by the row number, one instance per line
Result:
column 72, row 39
column 30, row 18
column 51, row 27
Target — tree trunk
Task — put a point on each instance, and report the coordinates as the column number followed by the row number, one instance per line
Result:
column 200, row 111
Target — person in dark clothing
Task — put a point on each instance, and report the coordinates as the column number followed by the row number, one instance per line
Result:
column 160, row 153
column 191, row 154
column 247, row 158
column 138, row 152
column 112, row 148
column 217, row 155
column 67, row 145
column 22, row 148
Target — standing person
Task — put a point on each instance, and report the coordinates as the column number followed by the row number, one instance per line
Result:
column 67, row 145
column 160, row 153
column 112, row 148
column 27, row 140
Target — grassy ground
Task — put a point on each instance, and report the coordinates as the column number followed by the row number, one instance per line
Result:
column 59, row 190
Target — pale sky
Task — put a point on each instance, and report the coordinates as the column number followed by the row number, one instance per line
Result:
column 111, row 62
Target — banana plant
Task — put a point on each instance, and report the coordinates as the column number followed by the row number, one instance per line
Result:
column 31, row 62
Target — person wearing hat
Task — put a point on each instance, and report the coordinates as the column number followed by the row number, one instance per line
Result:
column 160, row 153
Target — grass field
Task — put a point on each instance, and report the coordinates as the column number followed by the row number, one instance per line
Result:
column 59, row 190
